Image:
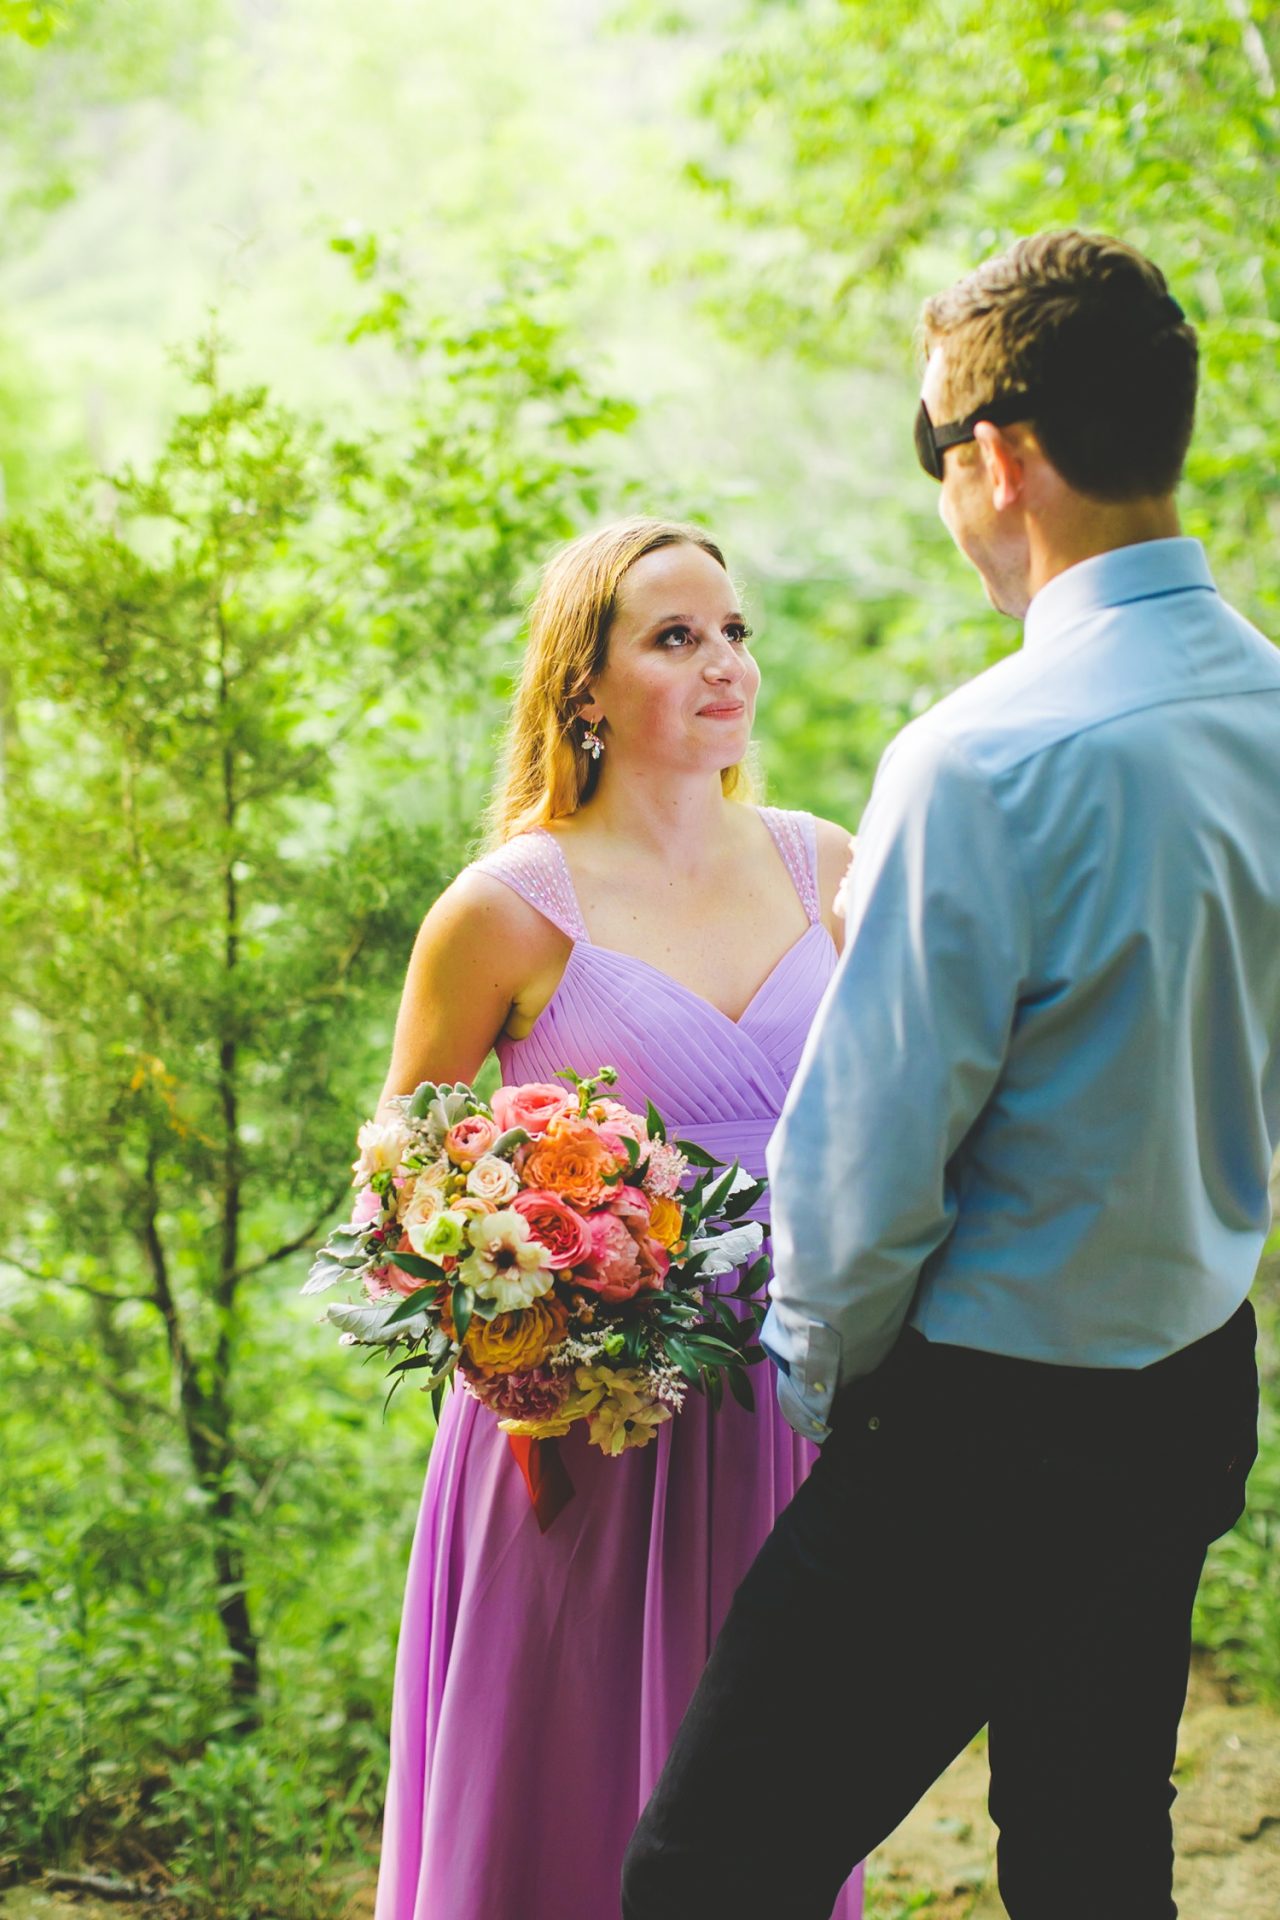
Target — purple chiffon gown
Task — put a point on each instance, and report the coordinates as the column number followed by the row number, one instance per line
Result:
column 540, row 1679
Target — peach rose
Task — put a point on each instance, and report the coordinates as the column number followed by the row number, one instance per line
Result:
column 468, row 1140
column 533, row 1107
column 572, row 1158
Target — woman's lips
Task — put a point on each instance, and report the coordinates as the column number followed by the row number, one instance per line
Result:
column 727, row 712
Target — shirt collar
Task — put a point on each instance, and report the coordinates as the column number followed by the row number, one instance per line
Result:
column 1143, row 572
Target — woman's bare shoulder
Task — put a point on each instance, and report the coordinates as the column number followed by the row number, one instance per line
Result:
column 477, row 908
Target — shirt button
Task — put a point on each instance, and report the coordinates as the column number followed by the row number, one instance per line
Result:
column 819, row 1386
column 874, row 1423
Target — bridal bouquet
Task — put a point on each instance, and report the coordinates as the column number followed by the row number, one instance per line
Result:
column 549, row 1251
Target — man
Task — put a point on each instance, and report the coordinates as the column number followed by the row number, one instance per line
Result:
column 1020, row 1187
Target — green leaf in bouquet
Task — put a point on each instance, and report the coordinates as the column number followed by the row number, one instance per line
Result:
column 508, row 1142
column 742, row 1200
column 654, row 1121
column 633, row 1152
column 412, row 1304
column 413, row 1363
column 696, row 1156
column 690, row 1267
column 325, row 1272
column 420, row 1103
column 714, row 1386
column 710, row 1350
column 437, row 1398
column 371, row 1323
column 719, row 1190
column 753, row 1278
column 724, row 1313
column 417, row 1265
column 680, row 1356
column 462, row 1305
column 741, row 1388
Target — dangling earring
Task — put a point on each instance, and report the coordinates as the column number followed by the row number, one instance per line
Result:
column 591, row 741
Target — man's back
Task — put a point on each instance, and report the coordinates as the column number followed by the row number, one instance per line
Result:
column 1112, row 1195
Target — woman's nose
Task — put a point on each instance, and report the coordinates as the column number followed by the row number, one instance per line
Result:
column 722, row 662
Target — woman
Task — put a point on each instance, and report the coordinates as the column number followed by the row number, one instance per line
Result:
column 633, row 912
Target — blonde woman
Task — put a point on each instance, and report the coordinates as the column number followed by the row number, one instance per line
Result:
column 636, row 910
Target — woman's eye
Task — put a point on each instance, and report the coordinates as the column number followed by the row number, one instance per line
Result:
column 674, row 637
column 739, row 631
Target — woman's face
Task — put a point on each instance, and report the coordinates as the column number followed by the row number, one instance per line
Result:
column 678, row 685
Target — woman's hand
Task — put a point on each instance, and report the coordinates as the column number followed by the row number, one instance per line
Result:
column 836, row 848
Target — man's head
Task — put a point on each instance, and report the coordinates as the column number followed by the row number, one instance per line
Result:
column 1067, row 375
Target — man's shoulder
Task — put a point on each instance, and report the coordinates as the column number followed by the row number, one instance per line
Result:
column 988, row 723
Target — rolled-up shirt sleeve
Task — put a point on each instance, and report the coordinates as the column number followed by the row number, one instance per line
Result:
column 902, row 1058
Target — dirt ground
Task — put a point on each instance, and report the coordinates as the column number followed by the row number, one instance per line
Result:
column 1226, row 1818
column 941, row 1862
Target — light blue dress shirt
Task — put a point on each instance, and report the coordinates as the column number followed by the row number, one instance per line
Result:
column 1037, row 1111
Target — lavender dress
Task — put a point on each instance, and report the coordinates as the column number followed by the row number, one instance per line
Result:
column 540, row 1678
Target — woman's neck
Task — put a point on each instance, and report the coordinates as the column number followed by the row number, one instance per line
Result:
column 653, row 811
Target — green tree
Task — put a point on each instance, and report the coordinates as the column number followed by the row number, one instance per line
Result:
column 240, row 687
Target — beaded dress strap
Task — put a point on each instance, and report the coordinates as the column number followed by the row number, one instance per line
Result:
column 533, row 866
column 796, row 837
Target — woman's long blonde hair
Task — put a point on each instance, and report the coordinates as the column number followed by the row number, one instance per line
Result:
column 547, row 772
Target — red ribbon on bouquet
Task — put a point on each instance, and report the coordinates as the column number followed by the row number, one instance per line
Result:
column 545, row 1475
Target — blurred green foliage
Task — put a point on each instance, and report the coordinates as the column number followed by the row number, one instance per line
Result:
column 483, row 279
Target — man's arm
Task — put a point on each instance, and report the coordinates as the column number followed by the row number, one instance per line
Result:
column 903, row 1056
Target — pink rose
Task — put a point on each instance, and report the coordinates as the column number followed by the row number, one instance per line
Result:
column 466, row 1142
column 368, row 1207
column 532, row 1107
column 622, row 1121
column 654, row 1259
column 556, row 1225
column 631, row 1205
column 615, row 1270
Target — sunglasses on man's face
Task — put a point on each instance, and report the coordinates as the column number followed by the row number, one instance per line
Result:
column 932, row 442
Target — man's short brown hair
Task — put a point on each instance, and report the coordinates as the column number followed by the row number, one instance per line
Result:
column 1083, row 324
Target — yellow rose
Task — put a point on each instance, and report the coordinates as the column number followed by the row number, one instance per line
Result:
column 665, row 1221
column 516, row 1342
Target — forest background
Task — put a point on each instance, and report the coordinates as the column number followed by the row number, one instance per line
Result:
column 320, row 325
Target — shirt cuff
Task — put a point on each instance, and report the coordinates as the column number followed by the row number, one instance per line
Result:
column 807, row 1355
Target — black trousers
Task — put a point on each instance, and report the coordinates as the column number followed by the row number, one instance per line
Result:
column 982, row 1541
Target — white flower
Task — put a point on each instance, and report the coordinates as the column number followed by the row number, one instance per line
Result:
column 494, row 1179
column 425, row 1202
column 505, row 1264
column 382, row 1147
column 665, row 1169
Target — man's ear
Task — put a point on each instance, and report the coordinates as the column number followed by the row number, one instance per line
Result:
column 1002, row 463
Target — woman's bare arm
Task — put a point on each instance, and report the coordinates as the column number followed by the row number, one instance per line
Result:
column 481, row 954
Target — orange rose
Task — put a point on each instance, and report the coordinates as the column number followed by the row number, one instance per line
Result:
column 572, row 1159
column 665, row 1222
column 515, row 1342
